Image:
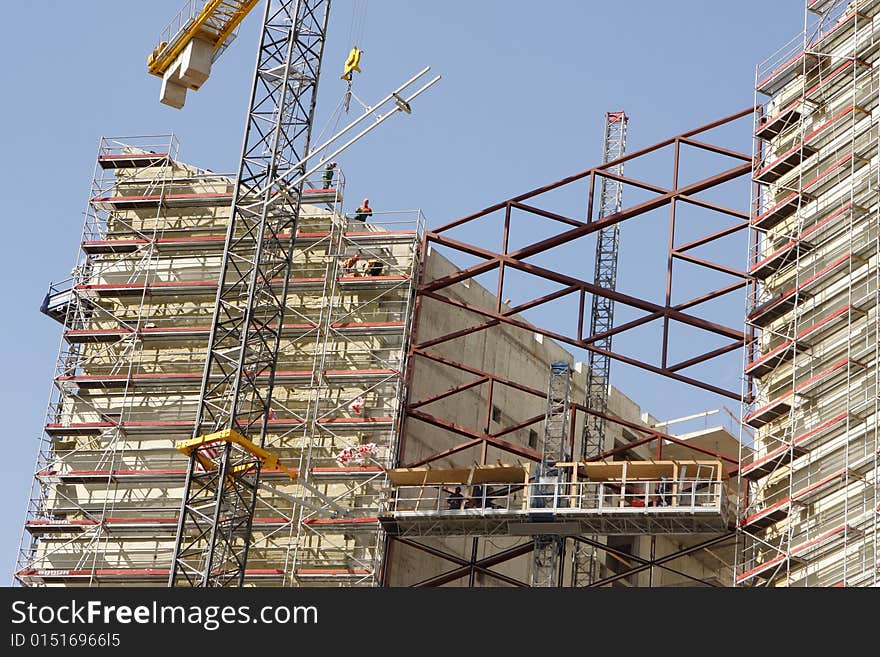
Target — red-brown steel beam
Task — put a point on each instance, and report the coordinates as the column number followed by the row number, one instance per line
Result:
column 518, row 426
column 654, row 434
column 715, row 149
column 575, row 233
column 627, row 556
column 424, row 401
column 545, row 213
column 453, row 427
column 578, row 343
column 721, row 209
column 625, row 299
column 662, row 560
column 708, row 296
column 446, row 452
column 709, row 355
column 481, row 565
column 641, row 208
column 708, row 264
column 601, row 168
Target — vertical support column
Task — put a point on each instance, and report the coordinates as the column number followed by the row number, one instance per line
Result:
column 246, row 329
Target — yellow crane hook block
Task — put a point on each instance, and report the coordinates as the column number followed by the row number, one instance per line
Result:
column 352, row 64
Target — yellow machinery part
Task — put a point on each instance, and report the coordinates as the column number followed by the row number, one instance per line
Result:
column 217, row 20
column 268, row 459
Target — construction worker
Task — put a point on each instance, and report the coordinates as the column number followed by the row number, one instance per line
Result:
column 328, row 175
column 476, row 500
column 455, row 499
column 363, row 211
column 349, row 267
column 375, row 267
column 663, row 489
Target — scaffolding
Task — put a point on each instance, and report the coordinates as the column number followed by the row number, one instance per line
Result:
column 137, row 315
column 811, row 510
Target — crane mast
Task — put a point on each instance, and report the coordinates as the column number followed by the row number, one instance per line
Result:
column 602, row 319
column 215, row 524
column 605, row 276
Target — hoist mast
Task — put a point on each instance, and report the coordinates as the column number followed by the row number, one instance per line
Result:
column 549, row 548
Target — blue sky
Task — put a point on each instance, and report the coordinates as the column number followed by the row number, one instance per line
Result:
column 522, row 101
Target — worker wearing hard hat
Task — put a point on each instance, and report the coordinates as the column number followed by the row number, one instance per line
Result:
column 363, row 211
column 328, row 175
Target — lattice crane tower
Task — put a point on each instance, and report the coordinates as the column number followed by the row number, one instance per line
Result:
column 214, row 530
column 605, row 276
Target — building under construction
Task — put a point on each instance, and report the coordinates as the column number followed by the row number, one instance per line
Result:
column 136, row 319
column 426, row 430
column 812, row 512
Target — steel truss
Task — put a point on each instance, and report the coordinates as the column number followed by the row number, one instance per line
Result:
column 811, row 514
column 473, row 567
column 214, row 530
column 602, row 320
column 427, row 352
column 605, row 276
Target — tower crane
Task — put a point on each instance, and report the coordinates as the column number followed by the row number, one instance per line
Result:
column 226, row 452
column 602, row 317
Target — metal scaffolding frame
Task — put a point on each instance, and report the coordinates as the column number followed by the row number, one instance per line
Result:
column 109, row 481
column 810, row 517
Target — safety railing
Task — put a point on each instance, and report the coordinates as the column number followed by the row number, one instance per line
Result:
column 393, row 222
column 657, row 496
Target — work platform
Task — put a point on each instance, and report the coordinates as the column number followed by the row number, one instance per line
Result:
column 209, row 287
column 181, row 333
column 185, row 427
column 598, row 498
column 188, row 244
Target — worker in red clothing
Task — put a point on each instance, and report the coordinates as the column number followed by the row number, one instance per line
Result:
column 363, row 211
column 349, row 267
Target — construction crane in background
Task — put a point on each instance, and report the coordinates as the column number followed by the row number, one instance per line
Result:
column 226, row 452
column 549, row 549
column 602, row 319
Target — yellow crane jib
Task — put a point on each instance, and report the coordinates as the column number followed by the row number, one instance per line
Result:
column 184, row 55
column 352, row 63
column 218, row 438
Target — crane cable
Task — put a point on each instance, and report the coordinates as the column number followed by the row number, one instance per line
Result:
column 356, row 38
